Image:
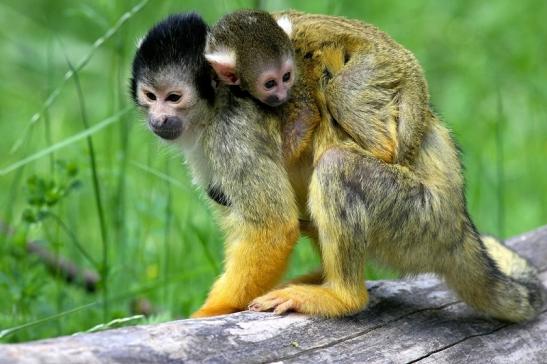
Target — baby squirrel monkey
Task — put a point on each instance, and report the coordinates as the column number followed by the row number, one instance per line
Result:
column 232, row 144
column 408, row 214
column 250, row 49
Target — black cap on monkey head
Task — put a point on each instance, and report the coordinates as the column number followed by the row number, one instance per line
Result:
column 178, row 40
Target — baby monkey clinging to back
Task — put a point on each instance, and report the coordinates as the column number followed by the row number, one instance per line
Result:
column 248, row 48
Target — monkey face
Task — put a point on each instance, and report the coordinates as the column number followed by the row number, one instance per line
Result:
column 272, row 86
column 170, row 107
column 170, row 79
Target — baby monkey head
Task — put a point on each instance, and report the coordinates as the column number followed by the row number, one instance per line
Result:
column 170, row 80
column 250, row 49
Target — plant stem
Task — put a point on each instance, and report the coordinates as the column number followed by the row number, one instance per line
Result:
column 104, row 269
column 168, row 218
column 74, row 239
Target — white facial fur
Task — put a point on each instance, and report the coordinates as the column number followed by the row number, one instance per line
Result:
column 274, row 83
column 172, row 104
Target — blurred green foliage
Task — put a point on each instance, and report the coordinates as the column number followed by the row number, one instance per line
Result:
column 484, row 62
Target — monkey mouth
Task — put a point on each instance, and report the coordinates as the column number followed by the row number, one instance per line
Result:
column 167, row 133
column 275, row 103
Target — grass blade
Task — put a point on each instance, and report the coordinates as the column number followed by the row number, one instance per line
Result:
column 71, row 140
column 97, row 193
column 71, row 72
column 161, row 175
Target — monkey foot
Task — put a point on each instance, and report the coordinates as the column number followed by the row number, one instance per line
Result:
column 280, row 301
column 310, row 299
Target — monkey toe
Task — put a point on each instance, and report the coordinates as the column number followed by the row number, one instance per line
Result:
column 266, row 303
column 285, row 307
column 311, row 300
column 280, row 301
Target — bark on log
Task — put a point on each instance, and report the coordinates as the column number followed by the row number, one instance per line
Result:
column 407, row 321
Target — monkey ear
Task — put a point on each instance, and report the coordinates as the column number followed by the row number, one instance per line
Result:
column 285, row 23
column 224, row 64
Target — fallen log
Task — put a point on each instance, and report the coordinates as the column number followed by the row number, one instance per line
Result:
column 407, row 321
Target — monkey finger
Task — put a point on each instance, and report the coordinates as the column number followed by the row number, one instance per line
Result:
column 289, row 305
column 267, row 304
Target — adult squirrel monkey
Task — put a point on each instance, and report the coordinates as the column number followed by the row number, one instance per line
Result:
column 374, row 173
column 232, row 144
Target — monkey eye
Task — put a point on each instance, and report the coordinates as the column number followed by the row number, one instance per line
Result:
column 173, row 97
column 151, row 96
column 286, row 77
column 270, row 84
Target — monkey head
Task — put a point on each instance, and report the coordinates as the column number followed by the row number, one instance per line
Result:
column 171, row 80
column 250, row 49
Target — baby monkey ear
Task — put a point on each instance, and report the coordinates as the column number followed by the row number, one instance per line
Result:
column 285, row 23
column 224, row 64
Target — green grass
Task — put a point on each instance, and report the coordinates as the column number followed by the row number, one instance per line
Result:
column 156, row 237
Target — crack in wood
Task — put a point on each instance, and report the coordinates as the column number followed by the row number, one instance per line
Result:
column 361, row 333
column 364, row 332
column 490, row 332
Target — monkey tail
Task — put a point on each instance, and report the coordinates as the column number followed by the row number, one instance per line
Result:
column 495, row 280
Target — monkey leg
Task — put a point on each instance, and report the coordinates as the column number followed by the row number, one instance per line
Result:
column 359, row 202
column 314, row 277
column 343, row 290
column 255, row 261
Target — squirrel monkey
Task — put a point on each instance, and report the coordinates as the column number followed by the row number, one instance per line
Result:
column 250, row 49
column 233, row 147
column 409, row 214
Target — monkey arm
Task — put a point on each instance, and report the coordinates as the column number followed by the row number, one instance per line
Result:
column 256, row 258
column 261, row 221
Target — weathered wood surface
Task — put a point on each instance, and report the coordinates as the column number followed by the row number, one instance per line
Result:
column 407, row 321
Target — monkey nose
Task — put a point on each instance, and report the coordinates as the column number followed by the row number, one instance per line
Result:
column 158, row 121
column 164, row 121
column 167, row 127
column 282, row 96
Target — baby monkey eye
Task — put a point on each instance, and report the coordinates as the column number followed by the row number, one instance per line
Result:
column 286, row 77
column 151, row 96
column 270, row 84
column 173, row 98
